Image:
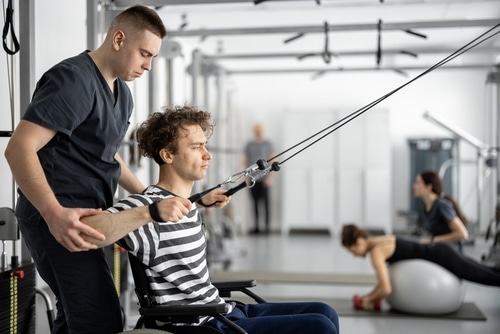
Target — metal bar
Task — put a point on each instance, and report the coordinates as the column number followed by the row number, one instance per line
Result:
column 354, row 69
column 346, row 53
column 27, row 34
column 308, row 29
column 338, row 3
column 92, row 24
column 170, row 81
column 494, row 78
column 195, row 75
column 457, row 132
column 27, row 80
column 295, row 277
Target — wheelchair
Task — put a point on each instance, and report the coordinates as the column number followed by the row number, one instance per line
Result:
column 178, row 319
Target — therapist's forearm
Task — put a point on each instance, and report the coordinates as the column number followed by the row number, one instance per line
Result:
column 128, row 180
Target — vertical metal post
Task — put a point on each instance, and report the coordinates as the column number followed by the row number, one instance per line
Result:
column 170, row 81
column 221, row 119
column 497, row 106
column 231, row 126
column 27, row 80
column 494, row 78
column 196, row 70
column 152, row 99
column 92, row 24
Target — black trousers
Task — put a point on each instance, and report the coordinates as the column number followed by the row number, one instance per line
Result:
column 260, row 197
column 464, row 267
column 86, row 297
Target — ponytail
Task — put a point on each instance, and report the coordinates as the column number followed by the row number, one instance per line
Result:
column 432, row 178
column 456, row 208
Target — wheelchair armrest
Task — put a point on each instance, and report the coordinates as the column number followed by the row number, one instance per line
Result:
column 182, row 314
column 226, row 287
column 234, row 285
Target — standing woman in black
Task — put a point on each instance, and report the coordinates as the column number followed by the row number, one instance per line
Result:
column 442, row 217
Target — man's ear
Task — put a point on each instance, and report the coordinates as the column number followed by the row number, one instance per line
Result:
column 118, row 38
column 166, row 156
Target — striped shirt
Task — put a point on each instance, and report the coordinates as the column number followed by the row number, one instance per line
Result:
column 175, row 252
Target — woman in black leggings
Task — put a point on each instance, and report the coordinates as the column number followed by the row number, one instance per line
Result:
column 389, row 249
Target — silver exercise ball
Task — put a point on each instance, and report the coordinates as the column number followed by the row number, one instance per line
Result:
column 423, row 287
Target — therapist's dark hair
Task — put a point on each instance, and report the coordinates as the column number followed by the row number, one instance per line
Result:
column 430, row 177
column 138, row 18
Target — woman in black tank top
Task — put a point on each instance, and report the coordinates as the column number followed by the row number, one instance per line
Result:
column 389, row 249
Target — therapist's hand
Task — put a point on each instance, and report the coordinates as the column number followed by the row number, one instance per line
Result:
column 65, row 225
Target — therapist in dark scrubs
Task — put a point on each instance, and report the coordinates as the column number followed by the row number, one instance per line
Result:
column 63, row 156
column 441, row 217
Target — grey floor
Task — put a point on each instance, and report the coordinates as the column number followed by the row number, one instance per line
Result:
column 323, row 254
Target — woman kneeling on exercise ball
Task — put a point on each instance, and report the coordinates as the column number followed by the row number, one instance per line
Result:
column 388, row 249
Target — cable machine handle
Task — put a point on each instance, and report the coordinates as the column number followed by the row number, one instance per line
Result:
column 235, row 189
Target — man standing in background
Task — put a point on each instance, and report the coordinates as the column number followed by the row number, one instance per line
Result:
column 260, row 148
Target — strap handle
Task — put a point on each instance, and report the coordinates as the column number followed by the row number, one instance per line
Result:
column 9, row 23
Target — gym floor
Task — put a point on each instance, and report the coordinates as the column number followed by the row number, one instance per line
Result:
column 324, row 254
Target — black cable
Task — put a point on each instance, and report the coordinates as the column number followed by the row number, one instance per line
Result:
column 326, row 53
column 414, row 33
column 8, row 21
column 335, row 126
column 379, row 42
column 293, row 38
column 367, row 107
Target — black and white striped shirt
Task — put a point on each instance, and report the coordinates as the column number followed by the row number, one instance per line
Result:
column 175, row 252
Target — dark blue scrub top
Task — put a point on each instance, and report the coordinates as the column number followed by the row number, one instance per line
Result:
column 74, row 99
column 436, row 220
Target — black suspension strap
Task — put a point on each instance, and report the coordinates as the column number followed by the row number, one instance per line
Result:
column 326, row 55
column 9, row 23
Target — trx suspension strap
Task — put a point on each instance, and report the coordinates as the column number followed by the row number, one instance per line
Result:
column 9, row 23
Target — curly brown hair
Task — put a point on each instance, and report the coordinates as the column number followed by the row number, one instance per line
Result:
column 162, row 129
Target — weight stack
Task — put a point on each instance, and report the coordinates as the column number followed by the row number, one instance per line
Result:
column 18, row 299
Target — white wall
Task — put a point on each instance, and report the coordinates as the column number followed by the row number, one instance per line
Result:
column 58, row 35
column 458, row 95
column 462, row 97
column 52, row 18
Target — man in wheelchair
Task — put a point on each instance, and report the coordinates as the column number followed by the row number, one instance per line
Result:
column 163, row 229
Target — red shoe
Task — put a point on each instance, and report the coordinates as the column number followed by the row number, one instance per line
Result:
column 357, row 302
